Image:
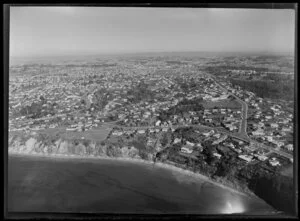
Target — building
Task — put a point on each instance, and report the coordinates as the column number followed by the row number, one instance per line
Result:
column 186, row 149
column 217, row 155
column 274, row 162
column 177, row 140
column 206, row 134
column 289, row 147
column 141, row 131
column 246, row 158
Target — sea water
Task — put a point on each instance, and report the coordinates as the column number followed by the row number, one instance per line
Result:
column 109, row 186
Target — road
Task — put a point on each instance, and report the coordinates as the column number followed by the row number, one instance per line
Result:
column 241, row 135
column 221, row 130
column 273, row 150
column 243, row 126
column 244, row 112
column 234, row 135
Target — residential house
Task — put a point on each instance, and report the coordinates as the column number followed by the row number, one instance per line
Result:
column 246, row 158
column 274, row 162
column 217, row 155
column 186, row 149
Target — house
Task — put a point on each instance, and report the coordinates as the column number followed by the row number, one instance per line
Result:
column 277, row 143
column 221, row 139
column 117, row 133
column 209, row 120
column 158, row 123
column 231, row 145
column 199, row 147
column 230, row 127
column 217, row 155
column 246, row 158
column 274, row 125
column 190, row 143
column 177, row 140
column 286, row 129
column 151, row 130
column 186, row 149
column 237, row 150
column 165, row 129
column 274, row 162
column 217, row 135
column 269, row 138
column 261, row 157
column 141, row 131
column 258, row 132
column 289, row 147
column 206, row 134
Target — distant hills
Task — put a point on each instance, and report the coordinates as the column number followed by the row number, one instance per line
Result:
column 14, row 60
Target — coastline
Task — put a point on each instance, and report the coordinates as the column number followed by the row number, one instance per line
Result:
column 134, row 160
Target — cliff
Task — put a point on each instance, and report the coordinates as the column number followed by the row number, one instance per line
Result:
column 52, row 146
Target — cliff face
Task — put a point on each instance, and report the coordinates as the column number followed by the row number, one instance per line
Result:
column 32, row 145
column 275, row 190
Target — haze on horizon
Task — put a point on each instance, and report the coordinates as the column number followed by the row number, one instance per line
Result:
column 50, row 31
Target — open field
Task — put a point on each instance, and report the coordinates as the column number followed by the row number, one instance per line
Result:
column 95, row 134
column 222, row 104
column 98, row 134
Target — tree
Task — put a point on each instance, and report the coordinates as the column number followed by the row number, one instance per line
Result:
column 42, row 98
column 164, row 140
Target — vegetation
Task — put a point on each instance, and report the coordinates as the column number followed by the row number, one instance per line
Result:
column 100, row 98
column 140, row 92
column 268, row 89
column 181, row 108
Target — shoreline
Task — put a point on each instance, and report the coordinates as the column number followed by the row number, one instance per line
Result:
column 134, row 160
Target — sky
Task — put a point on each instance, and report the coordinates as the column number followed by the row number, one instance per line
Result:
column 48, row 31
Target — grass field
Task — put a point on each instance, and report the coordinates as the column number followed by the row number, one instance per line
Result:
column 98, row 134
column 232, row 104
column 95, row 134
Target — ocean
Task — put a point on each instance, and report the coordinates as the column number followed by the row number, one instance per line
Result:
column 110, row 186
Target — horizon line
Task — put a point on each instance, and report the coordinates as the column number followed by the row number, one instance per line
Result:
column 70, row 54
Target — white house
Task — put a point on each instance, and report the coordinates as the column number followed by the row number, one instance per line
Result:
column 186, row 150
column 247, row 158
column 206, row 134
column 274, row 162
column 190, row 143
column 157, row 123
column 177, row 140
column 141, row 131
column 217, row 155
column 289, row 147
